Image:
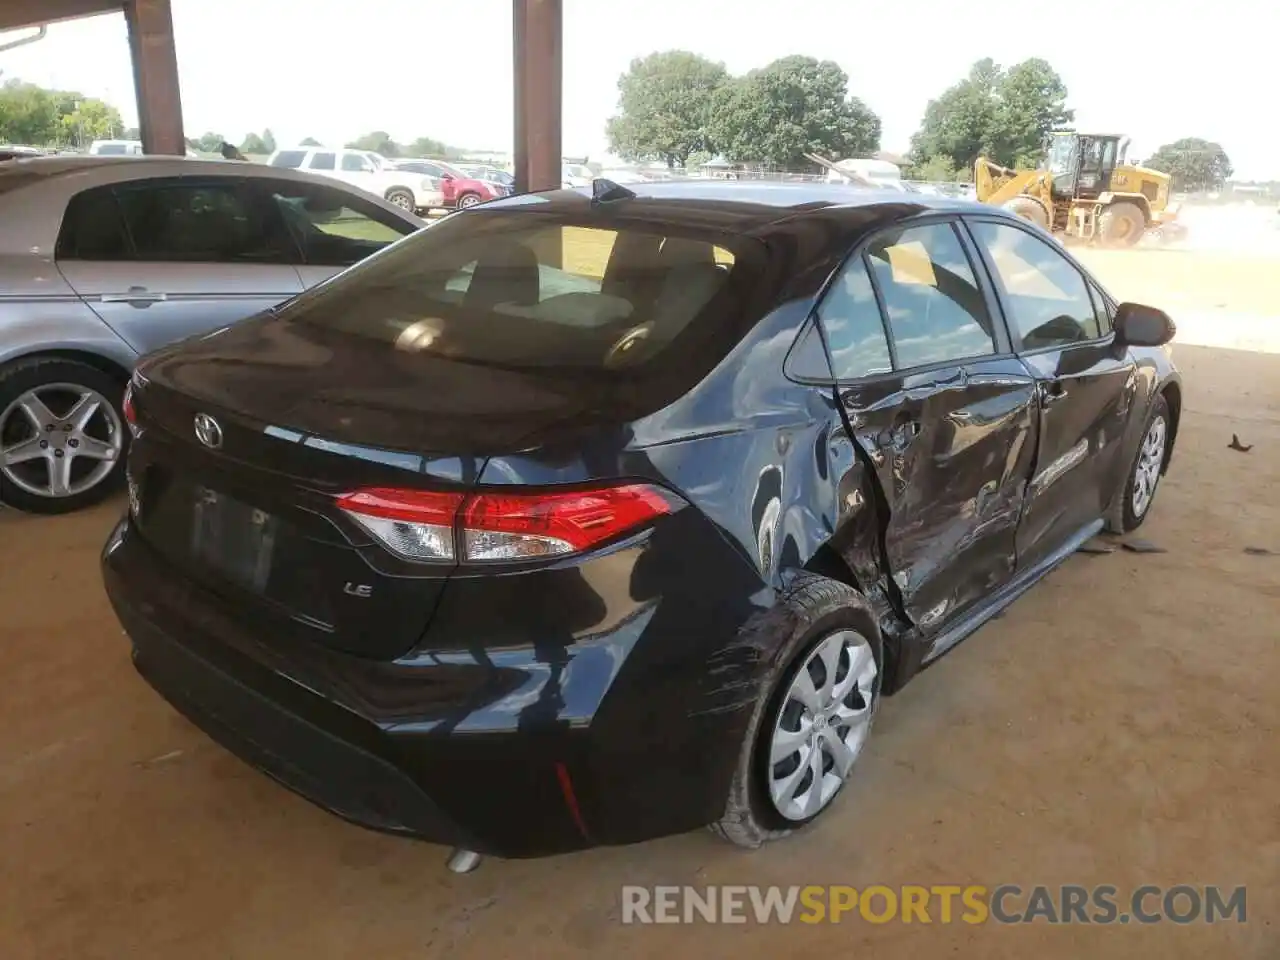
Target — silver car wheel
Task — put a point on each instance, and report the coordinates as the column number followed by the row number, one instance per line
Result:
column 822, row 723
column 59, row 440
column 1146, row 473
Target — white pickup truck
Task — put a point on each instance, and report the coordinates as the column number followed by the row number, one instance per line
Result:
column 366, row 170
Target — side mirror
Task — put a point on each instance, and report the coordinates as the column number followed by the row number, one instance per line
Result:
column 446, row 176
column 1141, row 326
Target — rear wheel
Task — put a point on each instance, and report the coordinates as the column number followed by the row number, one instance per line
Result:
column 1029, row 208
column 814, row 713
column 62, row 435
column 1121, row 225
column 402, row 198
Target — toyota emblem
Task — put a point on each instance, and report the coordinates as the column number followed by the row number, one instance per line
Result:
column 207, row 431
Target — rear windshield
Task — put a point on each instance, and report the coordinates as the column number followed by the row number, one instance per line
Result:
column 523, row 289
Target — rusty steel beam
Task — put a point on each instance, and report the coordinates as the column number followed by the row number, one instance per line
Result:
column 538, row 39
column 15, row 14
column 155, row 76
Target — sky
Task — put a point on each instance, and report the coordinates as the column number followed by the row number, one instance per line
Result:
column 1157, row 70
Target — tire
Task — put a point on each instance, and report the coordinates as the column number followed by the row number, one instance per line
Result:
column 1121, row 225
column 1129, row 511
column 86, row 477
column 813, row 612
column 1029, row 208
column 467, row 200
column 402, row 198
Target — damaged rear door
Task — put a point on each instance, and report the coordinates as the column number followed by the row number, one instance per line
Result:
column 942, row 412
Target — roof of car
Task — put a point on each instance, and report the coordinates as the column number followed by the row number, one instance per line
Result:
column 40, row 168
column 745, row 205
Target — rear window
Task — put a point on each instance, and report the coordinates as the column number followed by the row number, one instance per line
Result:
column 291, row 159
column 526, row 291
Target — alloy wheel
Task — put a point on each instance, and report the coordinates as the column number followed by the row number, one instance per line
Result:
column 59, row 440
column 1146, row 473
column 822, row 725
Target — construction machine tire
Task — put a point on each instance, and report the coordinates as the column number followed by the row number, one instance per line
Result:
column 1121, row 225
column 1029, row 208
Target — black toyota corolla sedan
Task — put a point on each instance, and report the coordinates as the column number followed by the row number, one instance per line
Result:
column 588, row 517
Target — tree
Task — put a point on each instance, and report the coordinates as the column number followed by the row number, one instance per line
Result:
column 378, row 142
column 1001, row 114
column 665, row 103
column 1032, row 102
column 208, row 142
column 268, row 141
column 38, row 116
column 793, row 106
column 254, row 144
column 1194, row 164
column 427, row 147
column 310, row 142
column 937, row 169
column 28, row 114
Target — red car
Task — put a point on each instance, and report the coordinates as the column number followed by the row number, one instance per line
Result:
column 460, row 191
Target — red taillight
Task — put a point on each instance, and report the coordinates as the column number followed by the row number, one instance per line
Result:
column 130, row 414
column 500, row 526
column 420, row 525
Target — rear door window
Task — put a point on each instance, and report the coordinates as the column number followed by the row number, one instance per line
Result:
column 935, row 308
column 321, row 161
column 854, row 326
column 518, row 290
column 183, row 220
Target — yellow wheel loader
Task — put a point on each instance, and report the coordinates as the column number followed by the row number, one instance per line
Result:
column 1085, row 190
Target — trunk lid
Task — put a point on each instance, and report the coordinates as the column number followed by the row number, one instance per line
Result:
column 303, row 415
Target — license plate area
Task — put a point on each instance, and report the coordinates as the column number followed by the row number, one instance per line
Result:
column 233, row 539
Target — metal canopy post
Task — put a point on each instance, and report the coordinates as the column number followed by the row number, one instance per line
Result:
column 538, row 37
column 155, row 76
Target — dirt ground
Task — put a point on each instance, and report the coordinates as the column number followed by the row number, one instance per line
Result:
column 1119, row 726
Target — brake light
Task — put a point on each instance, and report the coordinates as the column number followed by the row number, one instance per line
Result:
column 499, row 526
column 424, row 525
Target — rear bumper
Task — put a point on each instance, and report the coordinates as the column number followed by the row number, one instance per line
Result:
column 348, row 780
column 519, row 746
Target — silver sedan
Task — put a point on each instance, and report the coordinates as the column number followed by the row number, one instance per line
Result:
column 105, row 259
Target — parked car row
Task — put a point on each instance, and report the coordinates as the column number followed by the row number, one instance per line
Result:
column 366, row 170
column 414, row 184
column 458, row 189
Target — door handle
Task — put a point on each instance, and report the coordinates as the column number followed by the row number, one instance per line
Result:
column 135, row 295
